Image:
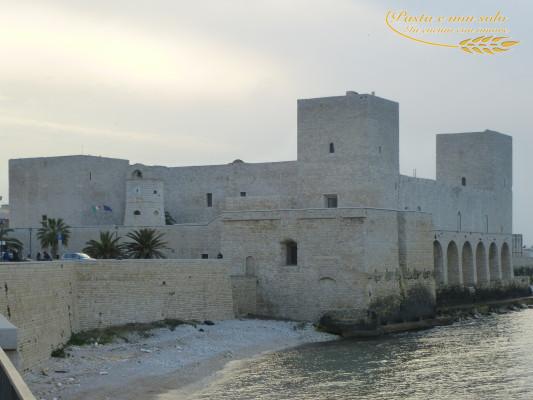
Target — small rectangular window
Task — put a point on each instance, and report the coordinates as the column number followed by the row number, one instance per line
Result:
column 243, row 194
column 44, row 217
column 331, row 201
column 209, row 199
column 205, row 256
column 291, row 253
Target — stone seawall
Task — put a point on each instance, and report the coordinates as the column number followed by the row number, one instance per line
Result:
column 40, row 299
column 48, row 301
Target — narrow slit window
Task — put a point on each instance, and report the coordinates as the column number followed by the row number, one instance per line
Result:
column 209, row 199
column 331, row 148
column 463, row 181
column 291, row 253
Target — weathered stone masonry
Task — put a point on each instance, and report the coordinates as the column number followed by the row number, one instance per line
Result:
column 48, row 301
column 335, row 229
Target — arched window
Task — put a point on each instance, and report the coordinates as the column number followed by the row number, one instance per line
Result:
column 481, row 264
column 331, row 148
column 452, row 255
column 438, row 262
column 290, row 250
column 250, row 266
column 137, row 174
column 136, row 212
column 463, row 181
column 469, row 277
column 507, row 270
column 494, row 264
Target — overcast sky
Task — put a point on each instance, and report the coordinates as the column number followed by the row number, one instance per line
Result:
column 174, row 82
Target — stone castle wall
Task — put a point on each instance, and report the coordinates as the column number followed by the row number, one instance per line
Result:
column 348, row 146
column 388, row 233
column 67, row 187
column 244, row 294
column 40, row 299
column 456, row 208
column 361, row 264
column 184, row 241
column 48, row 301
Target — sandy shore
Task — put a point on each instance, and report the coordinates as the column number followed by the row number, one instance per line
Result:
column 166, row 365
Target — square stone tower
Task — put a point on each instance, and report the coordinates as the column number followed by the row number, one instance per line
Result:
column 67, row 187
column 480, row 161
column 348, row 146
column 144, row 201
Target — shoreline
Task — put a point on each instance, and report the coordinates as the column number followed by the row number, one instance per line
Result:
column 168, row 364
column 444, row 315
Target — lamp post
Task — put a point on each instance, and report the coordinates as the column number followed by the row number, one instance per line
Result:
column 60, row 245
column 30, row 242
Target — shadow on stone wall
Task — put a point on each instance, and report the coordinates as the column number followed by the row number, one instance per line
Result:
column 459, row 295
column 417, row 303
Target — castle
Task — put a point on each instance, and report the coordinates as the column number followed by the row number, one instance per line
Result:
column 335, row 229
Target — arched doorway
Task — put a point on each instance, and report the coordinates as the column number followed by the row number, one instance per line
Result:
column 469, row 277
column 327, row 293
column 494, row 264
column 438, row 263
column 250, row 266
column 507, row 270
column 481, row 264
column 452, row 254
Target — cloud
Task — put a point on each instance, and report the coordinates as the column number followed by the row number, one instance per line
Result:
column 107, row 135
column 44, row 43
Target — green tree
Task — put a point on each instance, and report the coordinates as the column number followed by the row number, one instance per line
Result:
column 169, row 219
column 107, row 247
column 49, row 231
column 10, row 243
column 146, row 243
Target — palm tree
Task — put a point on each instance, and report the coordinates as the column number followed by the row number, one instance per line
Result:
column 50, row 230
column 108, row 246
column 146, row 243
column 10, row 243
column 169, row 219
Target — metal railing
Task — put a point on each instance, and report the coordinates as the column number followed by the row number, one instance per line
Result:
column 12, row 386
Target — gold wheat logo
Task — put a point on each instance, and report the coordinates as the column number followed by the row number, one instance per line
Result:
column 487, row 45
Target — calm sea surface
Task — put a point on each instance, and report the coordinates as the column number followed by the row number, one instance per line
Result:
column 488, row 358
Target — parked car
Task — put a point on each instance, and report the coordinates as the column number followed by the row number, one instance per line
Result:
column 76, row 257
